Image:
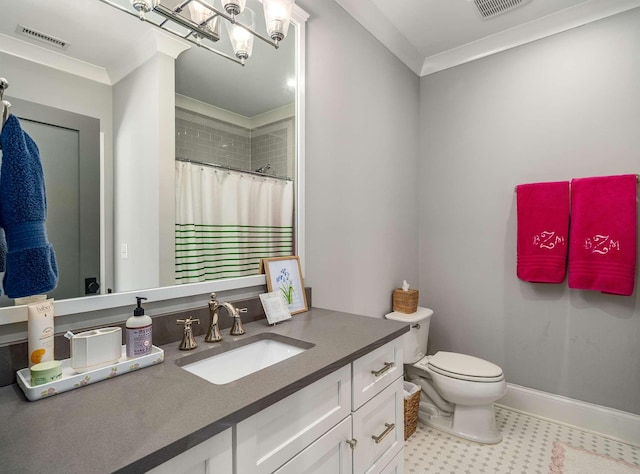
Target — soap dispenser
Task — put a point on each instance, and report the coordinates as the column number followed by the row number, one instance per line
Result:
column 138, row 332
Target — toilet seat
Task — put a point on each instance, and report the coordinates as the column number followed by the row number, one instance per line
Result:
column 462, row 367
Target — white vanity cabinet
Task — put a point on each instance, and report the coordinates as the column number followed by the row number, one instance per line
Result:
column 214, row 455
column 273, row 436
column 349, row 422
column 378, row 409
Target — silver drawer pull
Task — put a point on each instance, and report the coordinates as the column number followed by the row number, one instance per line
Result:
column 389, row 429
column 387, row 366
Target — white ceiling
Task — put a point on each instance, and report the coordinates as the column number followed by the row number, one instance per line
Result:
column 432, row 35
column 105, row 44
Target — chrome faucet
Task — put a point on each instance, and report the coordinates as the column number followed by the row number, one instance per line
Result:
column 213, row 334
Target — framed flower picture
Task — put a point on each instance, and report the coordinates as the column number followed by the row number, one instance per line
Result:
column 284, row 275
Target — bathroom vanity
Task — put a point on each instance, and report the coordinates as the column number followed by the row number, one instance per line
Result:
column 335, row 407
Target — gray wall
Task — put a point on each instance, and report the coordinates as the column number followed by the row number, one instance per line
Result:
column 361, row 151
column 563, row 107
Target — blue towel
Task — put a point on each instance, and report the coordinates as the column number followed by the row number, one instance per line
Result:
column 30, row 261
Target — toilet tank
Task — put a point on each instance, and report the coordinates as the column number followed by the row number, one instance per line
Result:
column 414, row 343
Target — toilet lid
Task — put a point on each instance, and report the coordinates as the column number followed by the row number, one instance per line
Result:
column 453, row 364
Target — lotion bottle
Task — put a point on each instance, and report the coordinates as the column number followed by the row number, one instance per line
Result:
column 40, row 329
column 138, row 332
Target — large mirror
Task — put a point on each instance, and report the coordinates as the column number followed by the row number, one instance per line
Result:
column 163, row 107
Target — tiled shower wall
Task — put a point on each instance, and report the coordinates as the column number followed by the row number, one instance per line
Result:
column 206, row 139
column 202, row 138
column 274, row 144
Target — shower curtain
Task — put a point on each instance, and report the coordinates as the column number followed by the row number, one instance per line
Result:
column 226, row 221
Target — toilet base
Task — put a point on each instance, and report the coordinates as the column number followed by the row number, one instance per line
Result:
column 474, row 423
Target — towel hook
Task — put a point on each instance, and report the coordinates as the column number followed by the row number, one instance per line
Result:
column 4, row 105
column 4, row 84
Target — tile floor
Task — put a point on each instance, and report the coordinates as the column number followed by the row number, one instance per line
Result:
column 525, row 448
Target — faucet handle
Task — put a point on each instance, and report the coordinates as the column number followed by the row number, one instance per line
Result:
column 237, row 329
column 188, row 342
column 188, row 321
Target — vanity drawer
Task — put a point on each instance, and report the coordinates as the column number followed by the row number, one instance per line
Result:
column 375, row 371
column 212, row 455
column 268, row 439
column 329, row 454
column 378, row 428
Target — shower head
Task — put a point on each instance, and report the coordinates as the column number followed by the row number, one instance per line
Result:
column 264, row 168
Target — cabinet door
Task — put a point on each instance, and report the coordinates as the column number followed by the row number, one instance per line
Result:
column 378, row 427
column 396, row 466
column 211, row 456
column 375, row 371
column 329, row 454
column 268, row 439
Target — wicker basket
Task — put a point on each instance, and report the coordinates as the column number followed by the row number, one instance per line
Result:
column 411, row 407
column 405, row 301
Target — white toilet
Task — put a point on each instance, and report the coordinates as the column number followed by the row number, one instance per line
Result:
column 458, row 390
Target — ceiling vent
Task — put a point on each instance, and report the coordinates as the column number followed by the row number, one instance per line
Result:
column 42, row 37
column 490, row 8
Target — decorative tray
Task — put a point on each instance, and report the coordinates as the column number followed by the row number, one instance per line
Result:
column 71, row 379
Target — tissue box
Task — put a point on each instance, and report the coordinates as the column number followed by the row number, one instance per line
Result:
column 405, row 301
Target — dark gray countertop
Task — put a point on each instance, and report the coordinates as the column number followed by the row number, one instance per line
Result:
column 137, row 421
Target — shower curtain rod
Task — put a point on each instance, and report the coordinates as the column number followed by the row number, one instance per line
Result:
column 229, row 168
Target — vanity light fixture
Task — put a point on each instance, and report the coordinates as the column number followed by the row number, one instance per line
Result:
column 201, row 20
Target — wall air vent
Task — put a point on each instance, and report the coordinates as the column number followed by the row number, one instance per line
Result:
column 42, row 37
column 490, row 8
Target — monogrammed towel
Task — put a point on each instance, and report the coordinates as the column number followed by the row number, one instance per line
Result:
column 543, row 227
column 602, row 251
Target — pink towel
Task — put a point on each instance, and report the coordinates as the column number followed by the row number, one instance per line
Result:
column 543, row 229
column 602, row 253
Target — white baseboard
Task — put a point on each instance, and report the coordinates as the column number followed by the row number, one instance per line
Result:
column 586, row 416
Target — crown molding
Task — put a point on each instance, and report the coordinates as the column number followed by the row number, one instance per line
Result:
column 53, row 59
column 369, row 16
column 549, row 25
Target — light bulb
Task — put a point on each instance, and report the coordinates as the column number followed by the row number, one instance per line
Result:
column 241, row 39
column 200, row 14
column 277, row 14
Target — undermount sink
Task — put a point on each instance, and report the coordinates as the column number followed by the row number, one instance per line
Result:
column 243, row 358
